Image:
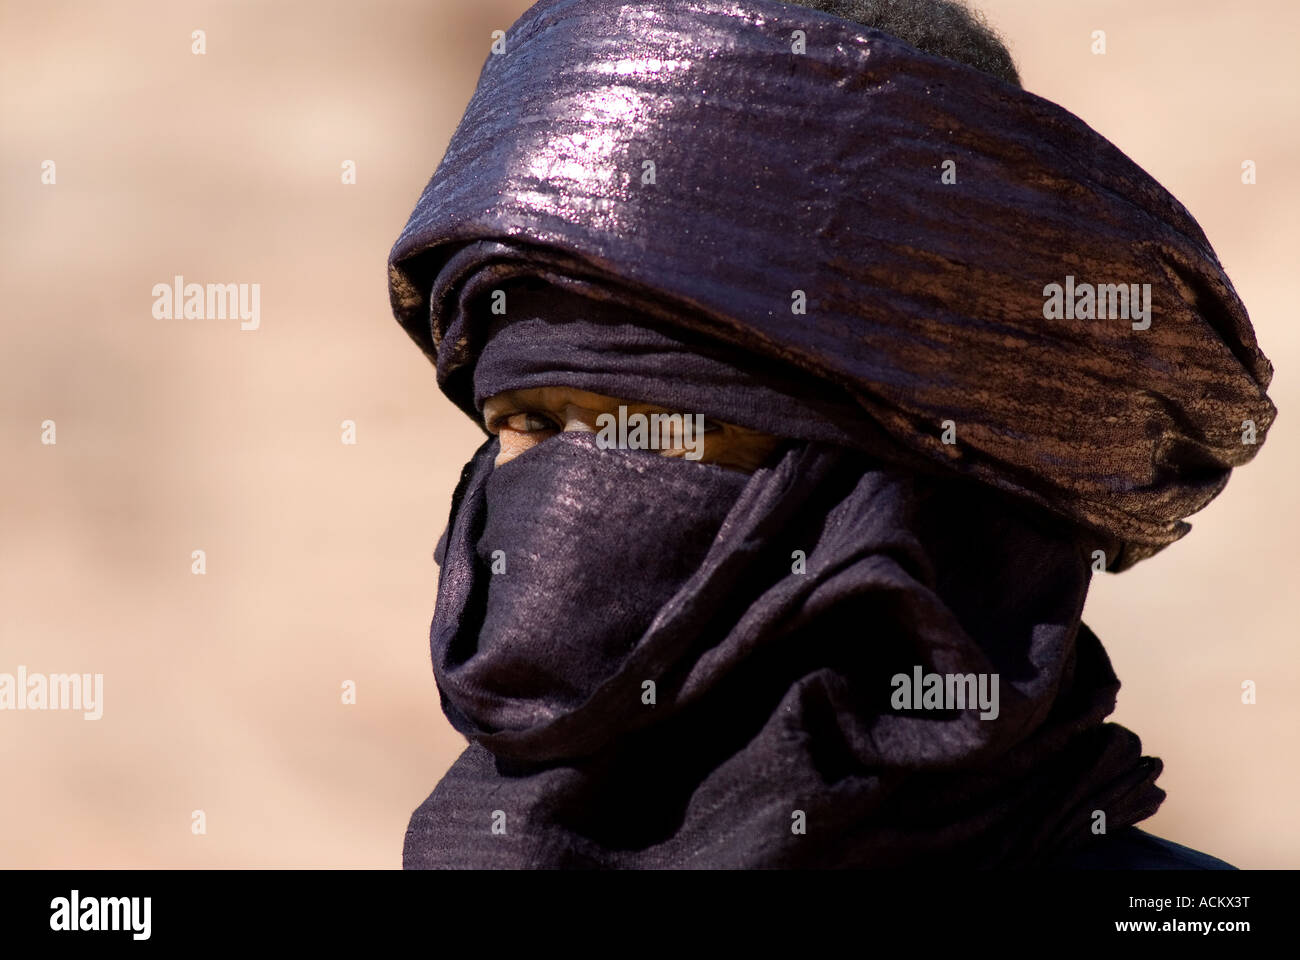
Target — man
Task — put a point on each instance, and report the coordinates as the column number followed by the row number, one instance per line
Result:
column 821, row 367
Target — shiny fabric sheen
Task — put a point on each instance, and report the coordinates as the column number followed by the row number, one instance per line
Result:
column 772, row 683
column 820, row 172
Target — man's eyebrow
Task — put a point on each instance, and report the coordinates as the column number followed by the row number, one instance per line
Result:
column 499, row 398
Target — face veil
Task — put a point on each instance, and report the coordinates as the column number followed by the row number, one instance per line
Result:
column 654, row 679
column 584, row 547
column 662, row 663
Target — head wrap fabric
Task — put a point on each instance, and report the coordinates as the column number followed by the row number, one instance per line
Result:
column 553, row 337
column 821, row 171
column 817, row 172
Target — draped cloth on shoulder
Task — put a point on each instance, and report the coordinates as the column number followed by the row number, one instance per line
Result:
column 850, row 245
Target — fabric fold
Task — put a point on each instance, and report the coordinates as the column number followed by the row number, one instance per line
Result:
column 772, row 682
column 994, row 347
column 915, row 209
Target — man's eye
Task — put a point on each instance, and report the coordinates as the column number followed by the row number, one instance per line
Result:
column 710, row 426
column 528, row 423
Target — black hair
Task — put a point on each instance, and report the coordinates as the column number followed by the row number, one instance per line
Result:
column 943, row 28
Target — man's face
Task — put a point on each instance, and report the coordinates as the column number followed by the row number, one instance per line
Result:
column 524, row 418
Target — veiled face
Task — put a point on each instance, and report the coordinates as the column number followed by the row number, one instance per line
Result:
column 524, row 418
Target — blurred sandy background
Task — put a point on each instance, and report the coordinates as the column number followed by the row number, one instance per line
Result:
column 222, row 692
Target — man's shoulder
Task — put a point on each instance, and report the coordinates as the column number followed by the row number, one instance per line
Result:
column 1135, row 849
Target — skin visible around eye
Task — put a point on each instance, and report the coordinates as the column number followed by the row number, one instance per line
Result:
column 524, row 418
column 529, row 423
